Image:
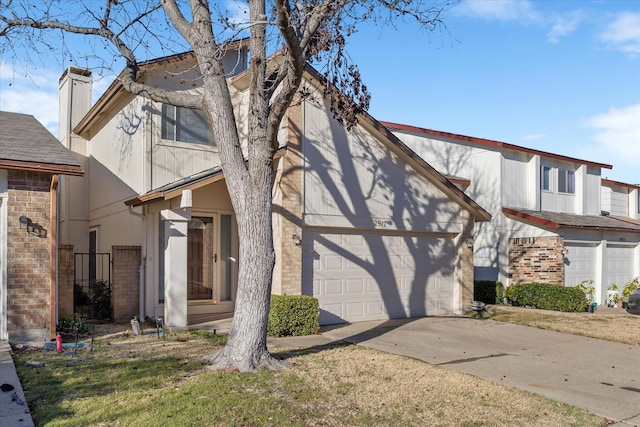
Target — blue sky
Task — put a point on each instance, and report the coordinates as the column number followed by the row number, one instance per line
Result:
column 558, row 76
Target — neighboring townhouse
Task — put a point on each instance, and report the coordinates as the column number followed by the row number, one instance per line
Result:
column 360, row 221
column 548, row 221
column 31, row 164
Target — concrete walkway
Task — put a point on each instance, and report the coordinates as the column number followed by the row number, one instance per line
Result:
column 14, row 411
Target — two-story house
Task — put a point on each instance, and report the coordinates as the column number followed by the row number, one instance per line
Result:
column 548, row 223
column 360, row 221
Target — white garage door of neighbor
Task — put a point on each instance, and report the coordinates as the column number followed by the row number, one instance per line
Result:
column 376, row 276
column 618, row 266
column 579, row 264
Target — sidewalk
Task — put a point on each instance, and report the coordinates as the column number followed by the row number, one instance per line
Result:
column 14, row 411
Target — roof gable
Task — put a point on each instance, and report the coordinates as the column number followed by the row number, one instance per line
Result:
column 365, row 120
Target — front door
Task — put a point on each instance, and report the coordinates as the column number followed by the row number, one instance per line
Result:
column 201, row 260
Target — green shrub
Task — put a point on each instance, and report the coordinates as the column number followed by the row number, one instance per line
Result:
column 293, row 315
column 547, row 296
column 488, row 291
column 101, row 299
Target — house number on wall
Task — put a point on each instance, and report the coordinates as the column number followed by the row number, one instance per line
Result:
column 381, row 223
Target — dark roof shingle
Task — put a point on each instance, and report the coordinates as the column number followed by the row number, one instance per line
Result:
column 557, row 220
column 24, row 140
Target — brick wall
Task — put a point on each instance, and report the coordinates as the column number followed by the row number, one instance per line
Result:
column 290, row 209
column 466, row 259
column 65, row 280
column 536, row 260
column 125, row 282
column 28, row 257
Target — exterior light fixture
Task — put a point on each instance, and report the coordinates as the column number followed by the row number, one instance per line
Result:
column 296, row 240
column 31, row 227
column 469, row 243
column 24, row 222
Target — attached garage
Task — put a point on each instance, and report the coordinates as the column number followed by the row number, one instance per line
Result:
column 579, row 263
column 375, row 275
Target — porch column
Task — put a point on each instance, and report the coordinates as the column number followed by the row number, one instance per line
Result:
column 175, row 267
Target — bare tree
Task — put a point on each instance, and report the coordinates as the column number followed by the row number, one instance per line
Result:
column 303, row 31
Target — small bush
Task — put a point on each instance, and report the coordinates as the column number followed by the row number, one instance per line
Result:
column 101, row 299
column 547, row 296
column 293, row 315
column 488, row 291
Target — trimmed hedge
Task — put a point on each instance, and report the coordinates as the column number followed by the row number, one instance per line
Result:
column 488, row 291
column 547, row 296
column 293, row 315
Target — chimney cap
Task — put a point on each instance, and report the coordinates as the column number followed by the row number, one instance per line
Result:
column 76, row 70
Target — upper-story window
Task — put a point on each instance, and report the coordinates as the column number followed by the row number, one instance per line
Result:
column 557, row 180
column 545, row 178
column 186, row 125
column 566, row 181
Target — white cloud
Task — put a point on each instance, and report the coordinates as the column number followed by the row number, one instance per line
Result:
column 534, row 136
column 503, row 10
column 623, row 33
column 564, row 25
column 617, row 136
column 35, row 94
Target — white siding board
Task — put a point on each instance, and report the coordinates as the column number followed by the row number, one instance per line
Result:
column 619, row 202
column 516, row 180
column 353, row 180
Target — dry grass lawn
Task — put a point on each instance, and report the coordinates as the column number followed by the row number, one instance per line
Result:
column 613, row 324
column 133, row 380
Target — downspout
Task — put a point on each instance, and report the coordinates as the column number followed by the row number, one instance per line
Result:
column 143, row 262
column 53, row 258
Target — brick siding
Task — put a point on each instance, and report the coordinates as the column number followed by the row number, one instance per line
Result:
column 291, row 205
column 125, row 282
column 65, row 280
column 536, row 260
column 466, row 259
column 28, row 257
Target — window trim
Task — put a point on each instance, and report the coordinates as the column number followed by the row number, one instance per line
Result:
column 172, row 112
column 542, row 178
column 569, row 176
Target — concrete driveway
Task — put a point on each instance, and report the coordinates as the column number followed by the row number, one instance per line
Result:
column 600, row 376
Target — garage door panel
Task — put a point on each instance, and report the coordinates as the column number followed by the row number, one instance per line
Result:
column 332, row 262
column 332, row 287
column 355, row 286
column 618, row 265
column 350, row 290
column 579, row 264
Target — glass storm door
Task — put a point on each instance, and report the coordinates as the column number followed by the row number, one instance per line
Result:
column 201, row 259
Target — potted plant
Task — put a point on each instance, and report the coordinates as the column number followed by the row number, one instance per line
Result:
column 587, row 287
column 626, row 291
column 613, row 296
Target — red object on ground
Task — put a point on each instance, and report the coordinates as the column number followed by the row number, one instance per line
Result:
column 59, row 343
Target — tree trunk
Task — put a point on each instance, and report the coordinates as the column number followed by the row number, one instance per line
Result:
column 246, row 348
column 250, row 188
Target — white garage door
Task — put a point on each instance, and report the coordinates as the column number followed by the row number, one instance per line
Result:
column 375, row 276
column 618, row 266
column 579, row 264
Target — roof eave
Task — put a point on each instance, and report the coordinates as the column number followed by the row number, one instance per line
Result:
column 491, row 143
column 42, row 167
